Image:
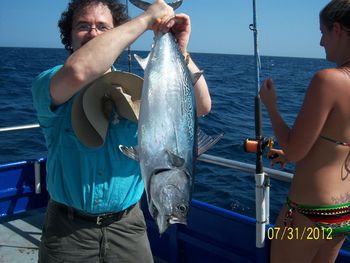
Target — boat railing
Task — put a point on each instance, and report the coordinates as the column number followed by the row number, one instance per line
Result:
column 20, row 128
column 262, row 188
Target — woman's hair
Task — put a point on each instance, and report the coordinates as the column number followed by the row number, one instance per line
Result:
column 336, row 11
column 65, row 23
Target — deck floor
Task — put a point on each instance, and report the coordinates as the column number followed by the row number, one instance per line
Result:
column 20, row 237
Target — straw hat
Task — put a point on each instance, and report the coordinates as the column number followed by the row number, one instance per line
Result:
column 92, row 107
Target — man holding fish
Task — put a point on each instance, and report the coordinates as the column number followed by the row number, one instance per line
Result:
column 93, row 214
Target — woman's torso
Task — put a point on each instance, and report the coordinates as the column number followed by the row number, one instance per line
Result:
column 323, row 176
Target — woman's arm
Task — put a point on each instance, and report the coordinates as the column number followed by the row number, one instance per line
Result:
column 297, row 141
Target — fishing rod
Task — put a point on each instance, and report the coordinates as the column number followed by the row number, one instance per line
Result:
column 262, row 190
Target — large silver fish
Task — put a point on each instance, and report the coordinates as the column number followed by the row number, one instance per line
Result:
column 167, row 131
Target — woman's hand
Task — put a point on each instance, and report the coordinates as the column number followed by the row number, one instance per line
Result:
column 268, row 94
column 277, row 157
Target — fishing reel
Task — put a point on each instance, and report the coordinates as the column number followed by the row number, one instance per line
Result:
column 251, row 145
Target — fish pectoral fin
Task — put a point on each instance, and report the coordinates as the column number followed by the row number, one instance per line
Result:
column 205, row 142
column 131, row 152
column 175, row 160
column 142, row 61
column 195, row 76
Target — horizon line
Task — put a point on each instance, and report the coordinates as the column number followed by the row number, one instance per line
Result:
column 192, row 52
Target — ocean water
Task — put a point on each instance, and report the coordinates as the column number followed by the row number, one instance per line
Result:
column 231, row 80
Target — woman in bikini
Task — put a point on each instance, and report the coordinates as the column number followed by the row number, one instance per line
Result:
column 316, row 216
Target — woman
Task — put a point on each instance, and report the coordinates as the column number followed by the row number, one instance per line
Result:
column 316, row 215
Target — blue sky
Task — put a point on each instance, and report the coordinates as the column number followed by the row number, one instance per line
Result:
column 286, row 28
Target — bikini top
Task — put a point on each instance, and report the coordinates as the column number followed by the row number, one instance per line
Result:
column 335, row 141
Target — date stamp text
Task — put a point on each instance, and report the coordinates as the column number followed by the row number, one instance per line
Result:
column 295, row 233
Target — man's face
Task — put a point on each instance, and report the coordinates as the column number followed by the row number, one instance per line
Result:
column 90, row 22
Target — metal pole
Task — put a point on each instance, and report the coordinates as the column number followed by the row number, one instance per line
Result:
column 260, row 186
column 129, row 49
column 37, row 176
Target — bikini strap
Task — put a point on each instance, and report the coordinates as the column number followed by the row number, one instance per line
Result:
column 335, row 141
column 288, row 218
column 312, row 210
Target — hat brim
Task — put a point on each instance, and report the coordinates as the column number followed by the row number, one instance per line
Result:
column 89, row 119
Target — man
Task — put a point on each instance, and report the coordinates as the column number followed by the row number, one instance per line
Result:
column 93, row 214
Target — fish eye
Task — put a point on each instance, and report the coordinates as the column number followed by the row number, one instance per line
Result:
column 182, row 208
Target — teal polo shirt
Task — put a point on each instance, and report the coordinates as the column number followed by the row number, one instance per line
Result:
column 92, row 180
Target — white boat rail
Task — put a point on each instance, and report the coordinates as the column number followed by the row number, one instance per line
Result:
column 240, row 166
column 20, row 128
column 245, row 167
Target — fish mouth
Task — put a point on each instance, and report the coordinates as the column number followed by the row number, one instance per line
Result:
column 175, row 220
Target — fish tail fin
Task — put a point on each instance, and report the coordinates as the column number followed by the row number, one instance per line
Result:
column 144, row 5
column 175, row 5
column 140, row 4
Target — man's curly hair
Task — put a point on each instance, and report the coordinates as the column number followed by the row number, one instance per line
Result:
column 65, row 23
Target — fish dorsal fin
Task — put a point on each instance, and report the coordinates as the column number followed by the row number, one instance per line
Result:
column 205, row 142
column 175, row 160
column 131, row 152
column 144, row 5
column 142, row 61
column 195, row 76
